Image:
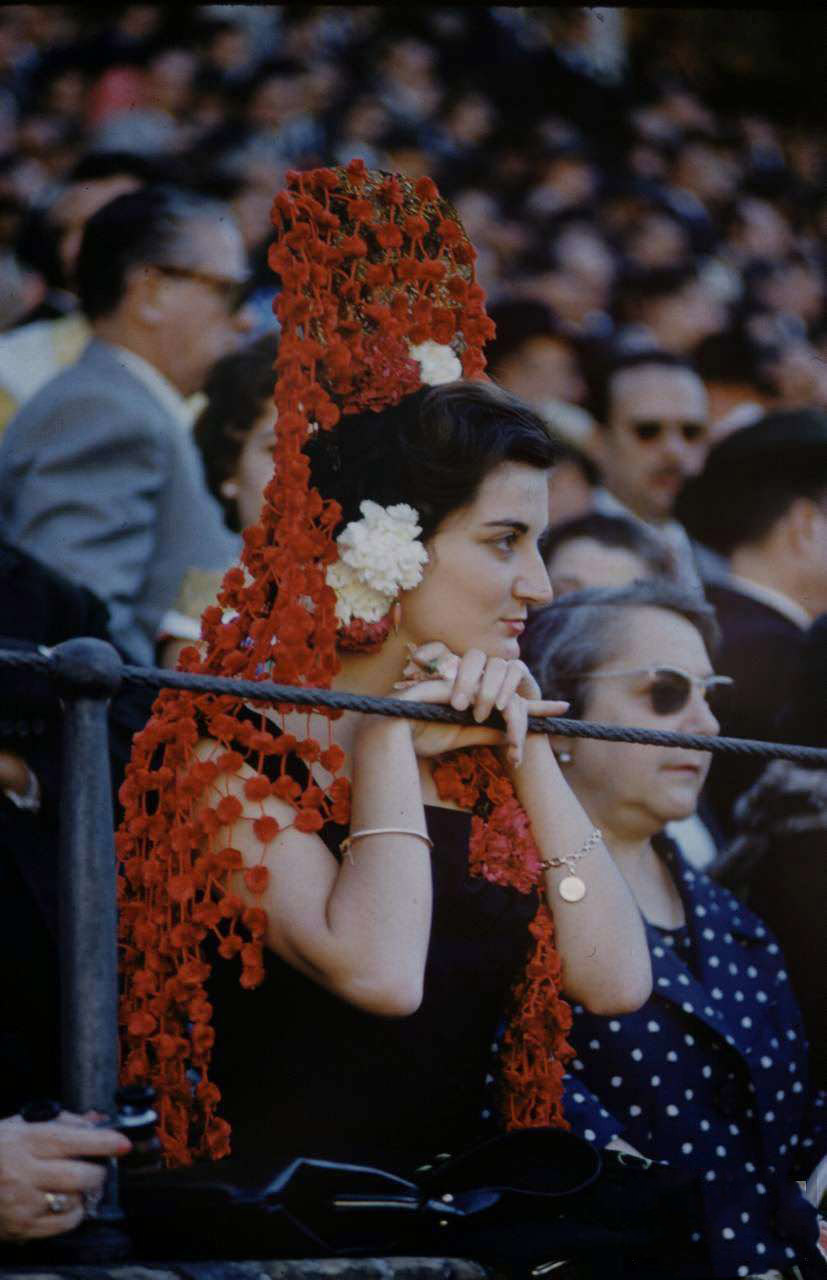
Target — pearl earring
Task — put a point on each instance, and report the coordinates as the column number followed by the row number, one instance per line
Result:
column 228, row 489
column 563, row 757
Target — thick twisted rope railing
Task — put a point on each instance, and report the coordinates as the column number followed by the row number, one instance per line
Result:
column 303, row 696
column 86, row 674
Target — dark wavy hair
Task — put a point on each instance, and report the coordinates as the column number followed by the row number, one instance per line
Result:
column 433, row 450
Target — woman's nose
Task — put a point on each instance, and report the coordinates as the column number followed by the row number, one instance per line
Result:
column 535, row 586
column 700, row 716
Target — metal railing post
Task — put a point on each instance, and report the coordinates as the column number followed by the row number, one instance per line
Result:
column 87, row 673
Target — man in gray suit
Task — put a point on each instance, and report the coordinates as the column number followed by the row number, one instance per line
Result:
column 99, row 476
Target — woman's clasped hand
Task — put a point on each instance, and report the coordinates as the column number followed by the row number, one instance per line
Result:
column 478, row 683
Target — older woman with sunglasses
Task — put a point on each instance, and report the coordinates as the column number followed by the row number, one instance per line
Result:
column 711, row 1073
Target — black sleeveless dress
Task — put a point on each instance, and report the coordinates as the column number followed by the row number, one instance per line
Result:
column 303, row 1073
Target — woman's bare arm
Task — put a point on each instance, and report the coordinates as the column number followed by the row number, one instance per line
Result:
column 601, row 939
column 360, row 928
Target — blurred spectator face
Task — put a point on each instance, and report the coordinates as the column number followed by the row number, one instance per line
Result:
column 760, row 230
column 543, row 368
column 255, row 466
column 410, row 61
column 75, row 207
column 308, row 35
column 252, row 204
column 67, row 93
column 19, row 290
column 796, row 288
column 587, row 257
column 806, row 155
column 229, row 49
column 647, row 160
column 682, row 319
column 570, row 492
column 712, row 173
column 471, row 120
column 581, row 284
column 413, row 161
column 139, row 21
column 683, row 109
column 48, row 24
column 585, row 562
column 655, row 439
column 409, row 84
column 48, row 144
column 800, row 376
column 195, row 301
column 478, row 210
column 275, row 100
column 169, row 81
column 365, row 120
column 656, row 241
column 322, row 82
column 567, row 297
column 566, row 182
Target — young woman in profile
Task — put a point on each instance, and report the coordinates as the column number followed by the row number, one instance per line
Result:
column 394, row 890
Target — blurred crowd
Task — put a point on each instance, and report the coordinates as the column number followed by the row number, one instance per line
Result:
column 625, row 205
column 656, row 271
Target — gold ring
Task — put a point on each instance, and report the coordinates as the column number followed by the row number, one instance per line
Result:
column 56, row 1201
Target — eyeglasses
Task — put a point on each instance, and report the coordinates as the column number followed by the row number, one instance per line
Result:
column 650, row 430
column 670, row 688
column 232, row 292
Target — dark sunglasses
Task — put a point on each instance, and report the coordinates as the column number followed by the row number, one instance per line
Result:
column 649, row 431
column 669, row 688
column 232, row 292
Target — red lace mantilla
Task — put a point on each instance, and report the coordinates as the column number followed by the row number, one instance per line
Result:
column 369, row 263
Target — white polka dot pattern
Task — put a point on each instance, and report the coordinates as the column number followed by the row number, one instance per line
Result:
column 709, row 1073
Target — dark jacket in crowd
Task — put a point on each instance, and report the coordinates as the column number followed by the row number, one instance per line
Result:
column 761, row 650
column 38, row 607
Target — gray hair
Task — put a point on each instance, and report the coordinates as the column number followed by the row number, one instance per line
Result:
column 567, row 640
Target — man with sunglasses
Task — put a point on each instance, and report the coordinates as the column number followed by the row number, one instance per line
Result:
column 653, row 436
column 99, row 475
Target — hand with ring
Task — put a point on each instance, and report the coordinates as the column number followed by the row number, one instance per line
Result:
column 46, row 1173
column 57, row 1202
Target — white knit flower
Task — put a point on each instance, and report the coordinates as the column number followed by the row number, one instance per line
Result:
column 379, row 556
column 439, row 363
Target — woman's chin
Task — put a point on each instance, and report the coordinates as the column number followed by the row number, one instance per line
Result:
column 676, row 806
column 508, row 648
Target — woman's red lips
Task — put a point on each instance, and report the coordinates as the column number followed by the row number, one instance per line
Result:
column 517, row 625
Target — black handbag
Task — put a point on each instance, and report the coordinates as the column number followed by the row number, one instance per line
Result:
column 524, row 1201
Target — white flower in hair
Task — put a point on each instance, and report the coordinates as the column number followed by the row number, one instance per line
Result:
column 379, row 556
column 439, row 363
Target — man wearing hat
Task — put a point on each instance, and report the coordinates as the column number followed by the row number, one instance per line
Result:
column 761, row 502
